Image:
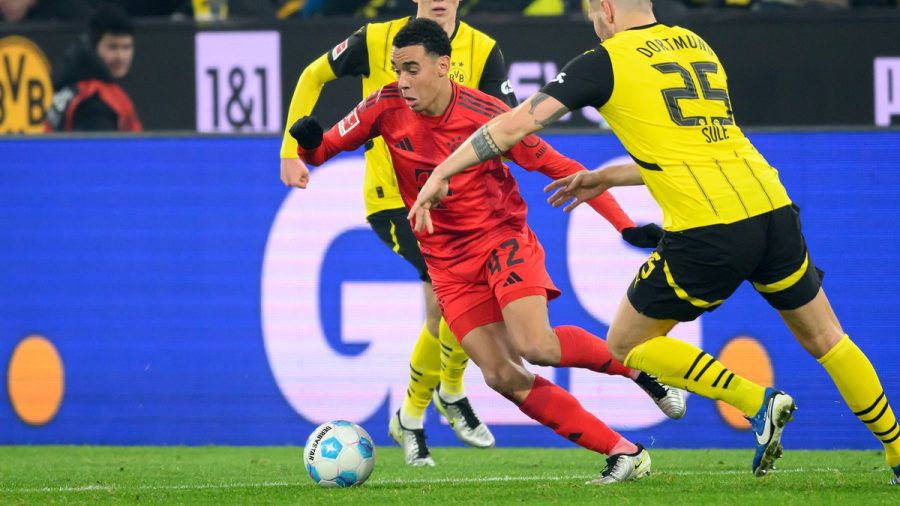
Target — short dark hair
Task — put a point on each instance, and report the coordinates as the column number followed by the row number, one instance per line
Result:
column 109, row 19
column 426, row 33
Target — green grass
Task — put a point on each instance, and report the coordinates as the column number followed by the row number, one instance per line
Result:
column 267, row 475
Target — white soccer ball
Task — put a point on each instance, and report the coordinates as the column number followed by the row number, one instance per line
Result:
column 339, row 454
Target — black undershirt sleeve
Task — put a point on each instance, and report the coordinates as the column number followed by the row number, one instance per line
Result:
column 494, row 80
column 351, row 56
column 587, row 80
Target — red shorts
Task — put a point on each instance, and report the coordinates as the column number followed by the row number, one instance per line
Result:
column 473, row 292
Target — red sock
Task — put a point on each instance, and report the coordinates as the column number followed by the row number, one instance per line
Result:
column 580, row 348
column 560, row 411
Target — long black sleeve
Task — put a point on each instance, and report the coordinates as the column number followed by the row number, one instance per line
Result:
column 494, row 80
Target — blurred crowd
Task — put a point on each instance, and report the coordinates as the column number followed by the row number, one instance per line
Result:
column 15, row 11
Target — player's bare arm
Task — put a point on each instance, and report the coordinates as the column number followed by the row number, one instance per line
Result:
column 490, row 141
column 575, row 189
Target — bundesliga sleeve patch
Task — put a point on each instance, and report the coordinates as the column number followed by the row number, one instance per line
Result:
column 339, row 49
column 348, row 123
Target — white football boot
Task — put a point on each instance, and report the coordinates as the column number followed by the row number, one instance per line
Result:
column 624, row 467
column 669, row 399
column 415, row 450
column 465, row 423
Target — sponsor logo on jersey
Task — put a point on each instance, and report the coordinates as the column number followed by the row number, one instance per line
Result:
column 348, row 123
column 339, row 49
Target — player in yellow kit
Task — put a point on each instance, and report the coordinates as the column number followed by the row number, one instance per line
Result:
column 726, row 214
column 438, row 362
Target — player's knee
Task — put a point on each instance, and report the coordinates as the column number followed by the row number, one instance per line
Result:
column 618, row 346
column 503, row 379
column 820, row 342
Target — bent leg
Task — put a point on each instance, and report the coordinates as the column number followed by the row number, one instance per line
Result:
column 819, row 332
column 538, row 398
column 677, row 363
column 564, row 346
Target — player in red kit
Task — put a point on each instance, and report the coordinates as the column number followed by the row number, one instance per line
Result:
column 486, row 264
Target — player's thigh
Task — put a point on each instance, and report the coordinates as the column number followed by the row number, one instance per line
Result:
column 630, row 328
column 529, row 329
column 394, row 230
column 786, row 276
column 500, row 365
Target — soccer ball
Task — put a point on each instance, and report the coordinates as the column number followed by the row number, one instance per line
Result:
column 339, row 454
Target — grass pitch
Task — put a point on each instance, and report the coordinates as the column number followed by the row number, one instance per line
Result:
column 254, row 475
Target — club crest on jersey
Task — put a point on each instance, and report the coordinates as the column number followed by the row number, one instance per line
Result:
column 339, row 49
column 348, row 123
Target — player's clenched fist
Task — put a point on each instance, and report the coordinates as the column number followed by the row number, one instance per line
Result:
column 294, row 173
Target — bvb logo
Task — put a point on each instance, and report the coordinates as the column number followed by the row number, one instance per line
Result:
column 456, row 72
column 25, row 87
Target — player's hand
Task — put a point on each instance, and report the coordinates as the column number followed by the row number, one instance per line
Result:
column 435, row 189
column 294, row 173
column 575, row 189
column 645, row 236
column 307, row 132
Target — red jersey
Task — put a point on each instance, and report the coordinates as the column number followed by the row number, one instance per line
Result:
column 484, row 200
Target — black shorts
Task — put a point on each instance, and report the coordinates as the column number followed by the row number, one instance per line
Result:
column 695, row 270
column 394, row 230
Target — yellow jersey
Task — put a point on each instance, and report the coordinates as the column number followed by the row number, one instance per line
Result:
column 475, row 61
column 664, row 93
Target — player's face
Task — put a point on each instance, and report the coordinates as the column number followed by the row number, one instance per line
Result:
column 422, row 77
column 438, row 10
column 601, row 12
column 116, row 51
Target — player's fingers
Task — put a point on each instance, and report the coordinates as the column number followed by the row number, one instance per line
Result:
column 413, row 210
column 557, row 184
column 575, row 203
column 427, row 219
column 559, row 197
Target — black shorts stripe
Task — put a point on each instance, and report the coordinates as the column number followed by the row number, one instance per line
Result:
column 413, row 378
column 444, row 346
column 870, row 408
column 878, row 416
column 885, row 433
column 696, row 361
column 700, row 374
column 719, row 377
column 728, row 381
column 413, row 369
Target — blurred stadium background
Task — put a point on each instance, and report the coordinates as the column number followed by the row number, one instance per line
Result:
column 164, row 288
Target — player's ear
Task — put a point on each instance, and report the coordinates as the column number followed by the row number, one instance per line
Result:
column 443, row 65
column 609, row 11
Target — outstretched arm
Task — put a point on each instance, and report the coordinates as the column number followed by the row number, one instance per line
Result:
column 586, row 81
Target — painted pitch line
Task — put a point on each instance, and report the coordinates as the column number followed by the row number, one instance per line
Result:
column 423, row 481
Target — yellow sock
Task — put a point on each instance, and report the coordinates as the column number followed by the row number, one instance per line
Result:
column 685, row 366
column 424, row 374
column 453, row 362
column 858, row 383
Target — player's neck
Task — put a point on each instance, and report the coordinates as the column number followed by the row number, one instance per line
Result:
column 630, row 20
column 449, row 25
column 441, row 102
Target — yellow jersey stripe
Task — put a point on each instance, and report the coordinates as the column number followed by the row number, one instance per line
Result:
column 684, row 295
column 394, row 239
column 785, row 283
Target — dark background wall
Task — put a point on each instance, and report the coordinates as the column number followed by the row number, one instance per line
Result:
column 785, row 69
